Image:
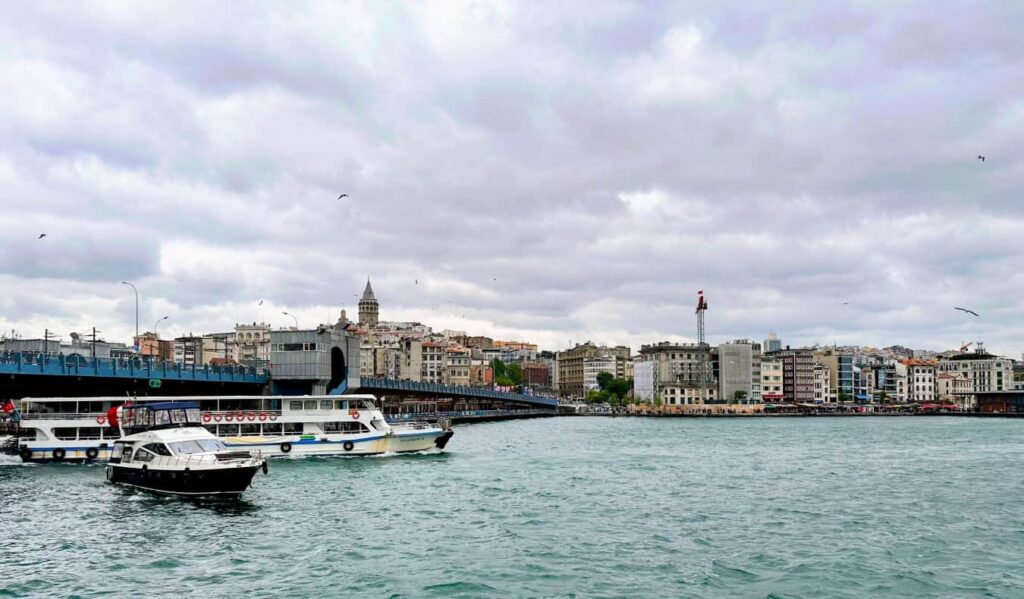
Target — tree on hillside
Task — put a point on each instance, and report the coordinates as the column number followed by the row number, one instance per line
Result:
column 514, row 373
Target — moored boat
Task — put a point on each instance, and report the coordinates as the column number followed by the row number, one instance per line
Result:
column 165, row 449
column 79, row 429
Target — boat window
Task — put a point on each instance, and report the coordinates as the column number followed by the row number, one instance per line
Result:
column 326, row 404
column 295, row 405
column 178, row 416
column 192, row 414
column 225, row 430
column 250, row 429
column 186, row 447
column 157, row 448
column 310, row 404
column 211, row 444
column 368, row 404
column 126, row 454
column 143, row 456
column 272, row 428
column 293, row 428
column 341, row 404
column 89, row 432
column 66, row 434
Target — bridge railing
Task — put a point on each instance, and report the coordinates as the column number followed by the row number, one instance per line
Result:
column 74, row 365
column 421, row 416
column 380, row 384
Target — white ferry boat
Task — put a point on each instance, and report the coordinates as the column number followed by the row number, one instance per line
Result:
column 166, row 450
column 80, row 428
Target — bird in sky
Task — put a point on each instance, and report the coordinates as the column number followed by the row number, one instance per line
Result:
column 41, row 235
column 845, row 303
column 344, row 195
column 965, row 310
column 261, row 302
column 417, row 281
column 981, row 158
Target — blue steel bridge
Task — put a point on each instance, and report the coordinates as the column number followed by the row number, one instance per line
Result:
column 37, row 375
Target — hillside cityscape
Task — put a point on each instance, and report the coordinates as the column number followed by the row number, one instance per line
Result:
column 664, row 374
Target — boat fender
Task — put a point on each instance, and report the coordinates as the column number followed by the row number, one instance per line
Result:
column 25, row 453
column 265, row 468
column 92, row 453
column 58, row 454
column 348, row 445
column 286, row 447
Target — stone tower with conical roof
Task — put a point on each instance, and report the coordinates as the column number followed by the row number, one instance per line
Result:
column 368, row 307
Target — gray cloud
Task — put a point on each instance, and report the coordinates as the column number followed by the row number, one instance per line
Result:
column 548, row 173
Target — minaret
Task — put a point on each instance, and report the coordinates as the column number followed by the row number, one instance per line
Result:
column 368, row 307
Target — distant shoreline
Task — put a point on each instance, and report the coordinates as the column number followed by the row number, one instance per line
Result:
column 798, row 415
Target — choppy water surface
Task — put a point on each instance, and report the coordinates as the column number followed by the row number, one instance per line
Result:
column 580, row 507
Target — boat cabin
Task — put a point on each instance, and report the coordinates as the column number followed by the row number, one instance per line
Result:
column 155, row 416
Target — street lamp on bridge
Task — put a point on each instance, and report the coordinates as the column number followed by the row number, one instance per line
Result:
column 156, row 323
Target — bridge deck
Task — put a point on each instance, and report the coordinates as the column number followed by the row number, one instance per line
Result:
column 17, row 363
column 395, row 385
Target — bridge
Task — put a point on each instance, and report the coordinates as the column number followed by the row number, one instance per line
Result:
column 38, row 375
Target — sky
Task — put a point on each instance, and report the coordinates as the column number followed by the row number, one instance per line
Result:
column 550, row 172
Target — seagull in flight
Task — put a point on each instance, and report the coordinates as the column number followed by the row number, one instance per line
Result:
column 261, row 302
column 845, row 303
column 981, row 158
column 965, row 310
column 41, row 235
column 344, row 195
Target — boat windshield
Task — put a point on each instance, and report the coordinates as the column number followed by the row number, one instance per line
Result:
column 196, row 446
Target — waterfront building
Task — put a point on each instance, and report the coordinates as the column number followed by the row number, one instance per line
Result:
column 643, row 380
column 595, row 366
column 919, row 377
column 188, row 350
column 839, row 363
column 537, row 374
column 411, row 359
column 570, row 366
column 432, row 363
column 739, row 371
column 797, row 374
column 368, row 307
column 250, row 345
column 771, row 380
column 457, row 361
column 677, row 372
column 986, row 371
column 954, row 388
column 821, row 389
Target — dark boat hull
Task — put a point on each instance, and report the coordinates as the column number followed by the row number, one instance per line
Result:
column 228, row 482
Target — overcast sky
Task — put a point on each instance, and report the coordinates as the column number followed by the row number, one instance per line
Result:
column 535, row 171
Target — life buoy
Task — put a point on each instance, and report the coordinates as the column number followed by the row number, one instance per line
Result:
column 348, row 445
column 217, row 417
column 206, row 417
column 354, row 414
column 251, row 416
column 239, row 416
column 286, row 447
column 58, row 454
column 92, row 453
column 273, row 417
column 229, row 417
column 25, row 453
column 263, row 416
column 101, row 419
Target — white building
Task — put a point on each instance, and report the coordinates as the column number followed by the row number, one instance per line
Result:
column 771, row 381
column 596, row 365
column 643, row 381
column 919, row 380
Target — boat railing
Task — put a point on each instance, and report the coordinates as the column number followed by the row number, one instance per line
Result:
column 199, row 459
column 61, row 415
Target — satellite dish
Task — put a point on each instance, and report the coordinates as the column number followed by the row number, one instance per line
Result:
column 75, row 336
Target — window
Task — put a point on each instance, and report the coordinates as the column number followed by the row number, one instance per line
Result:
column 89, row 432
column 295, row 405
column 144, row 456
column 250, row 429
column 341, row 404
column 66, row 434
column 157, row 448
column 224, row 430
column 272, row 428
column 293, row 428
column 326, row 404
column 310, row 404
